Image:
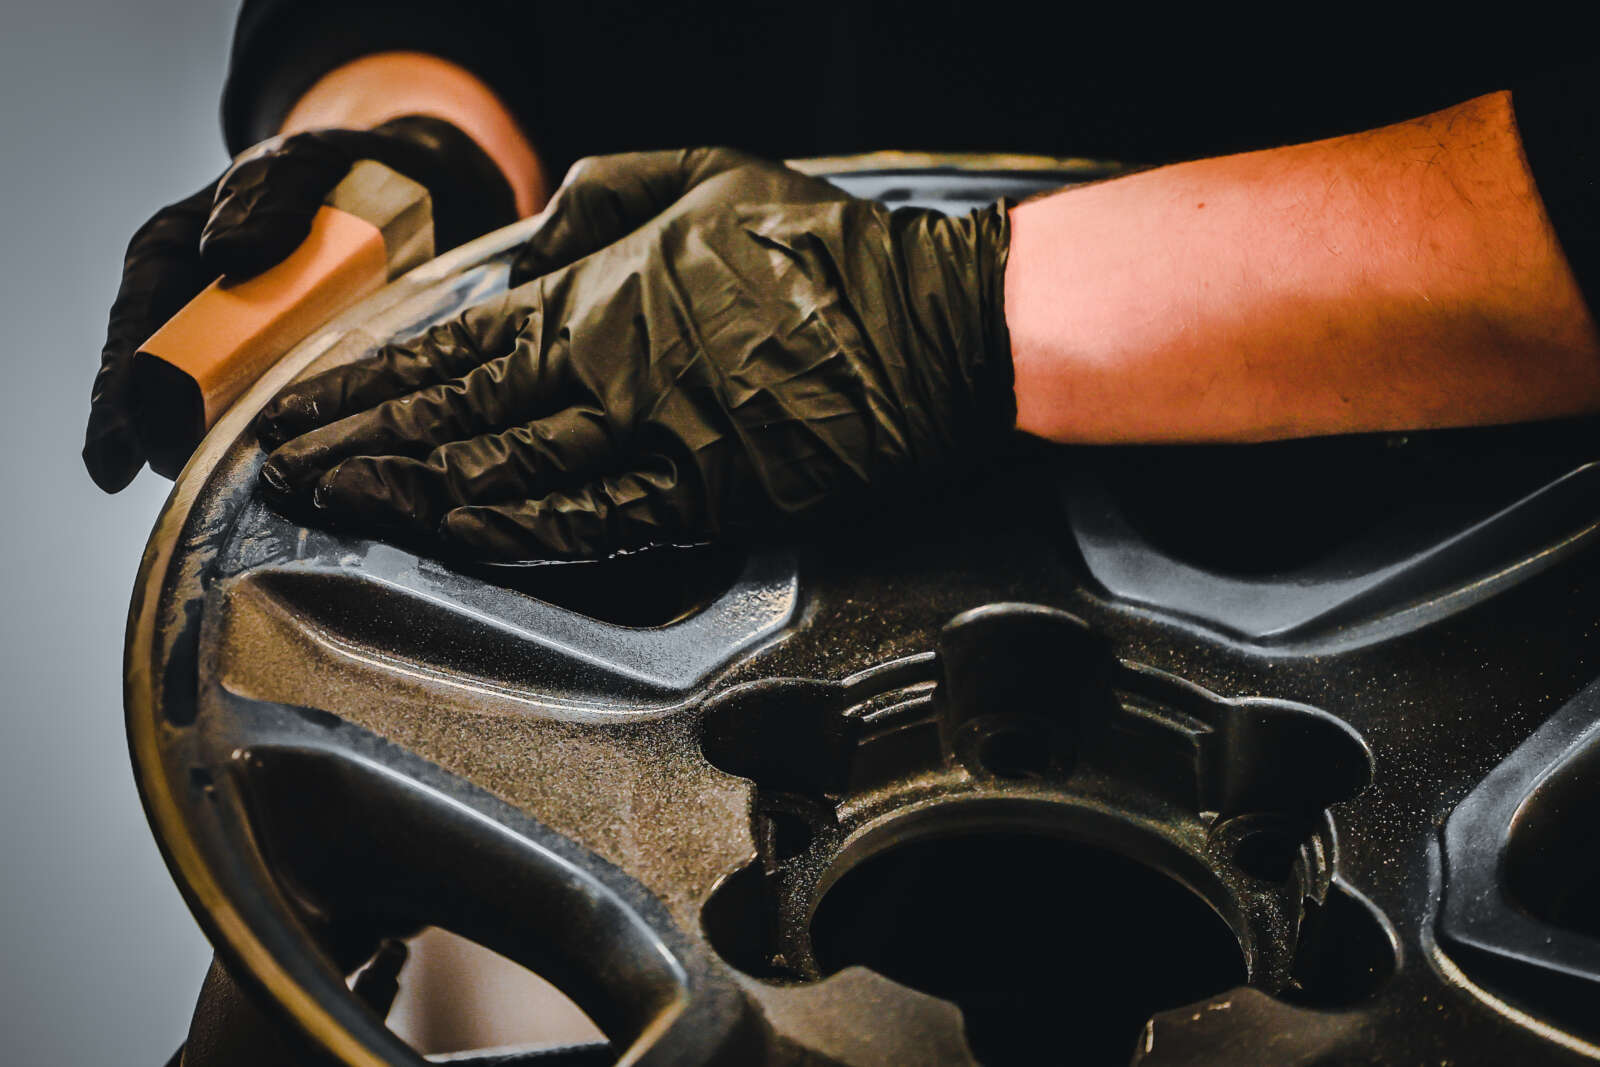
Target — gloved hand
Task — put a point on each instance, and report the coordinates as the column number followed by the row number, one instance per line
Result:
column 710, row 343
column 252, row 217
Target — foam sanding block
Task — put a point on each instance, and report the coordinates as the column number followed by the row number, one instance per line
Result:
column 374, row 226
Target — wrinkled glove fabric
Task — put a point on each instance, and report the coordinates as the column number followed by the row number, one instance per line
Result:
column 251, row 218
column 703, row 344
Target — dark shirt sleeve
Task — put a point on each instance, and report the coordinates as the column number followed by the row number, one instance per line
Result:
column 582, row 77
column 282, row 47
column 1556, row 117
column 590, row 76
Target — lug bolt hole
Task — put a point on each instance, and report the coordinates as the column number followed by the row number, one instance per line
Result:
column 791, row 834
column 1014, row 754
column 1266, row 855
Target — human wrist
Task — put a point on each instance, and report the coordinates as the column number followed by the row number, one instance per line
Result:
column 994, row 376
column 1048, row 336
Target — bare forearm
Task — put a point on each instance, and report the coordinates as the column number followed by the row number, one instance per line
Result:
column 376, row 88
column 1402, row 278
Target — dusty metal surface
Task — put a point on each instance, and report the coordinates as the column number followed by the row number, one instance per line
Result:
column 1008, row 781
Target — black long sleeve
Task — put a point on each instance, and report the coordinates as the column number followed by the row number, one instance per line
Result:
column 281, row 48
column 1558, row 117
column 581, row 77
column 786, row 79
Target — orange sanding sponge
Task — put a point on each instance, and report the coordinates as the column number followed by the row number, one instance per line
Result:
column 375, row 225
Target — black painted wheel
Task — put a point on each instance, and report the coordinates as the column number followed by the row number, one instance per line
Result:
column 1064, row 778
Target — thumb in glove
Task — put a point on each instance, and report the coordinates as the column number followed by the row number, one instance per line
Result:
column 258, row 212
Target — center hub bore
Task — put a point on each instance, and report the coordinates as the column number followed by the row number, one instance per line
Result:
column 1032, row 936
column 1057, row 842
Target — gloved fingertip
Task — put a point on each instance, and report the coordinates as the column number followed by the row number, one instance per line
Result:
column 284, row 473
column 265, row 425
column 339, row 487
column 237, row 254
column 274, row 478
column 268, row 435
column 286, row 416
column 322, row 494
column 111, row 477
column 113, row 458
column 239, row 244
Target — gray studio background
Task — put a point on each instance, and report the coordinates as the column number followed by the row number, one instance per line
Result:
column 107, row 110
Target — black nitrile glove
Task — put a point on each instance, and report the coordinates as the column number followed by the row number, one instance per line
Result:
column 710, row 343
column 251, row 218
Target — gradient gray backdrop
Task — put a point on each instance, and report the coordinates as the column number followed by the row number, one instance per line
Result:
column 107, row 111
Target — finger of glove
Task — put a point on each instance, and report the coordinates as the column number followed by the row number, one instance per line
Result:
column 446, row 351
column 631, row 510
column 161, row 272
column 470, row 193
column 487, row 399
column 405, row 493
column 528, row 460
column 605, row 198
column 265, row 202
column 412, row 425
